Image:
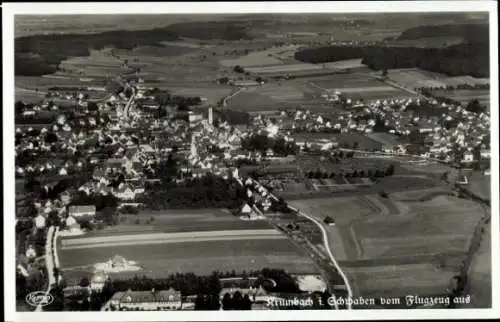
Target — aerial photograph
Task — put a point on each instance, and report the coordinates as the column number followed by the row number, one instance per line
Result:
column 328, row 161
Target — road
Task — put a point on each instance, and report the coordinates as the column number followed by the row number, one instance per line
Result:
column 49, row 264
column 325, row 241
column 329, row 251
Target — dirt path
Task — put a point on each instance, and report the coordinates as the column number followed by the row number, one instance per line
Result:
column 478, row 265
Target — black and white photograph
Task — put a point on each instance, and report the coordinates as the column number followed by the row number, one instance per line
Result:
column 267, row 161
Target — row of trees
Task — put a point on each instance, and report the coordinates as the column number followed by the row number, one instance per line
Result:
column 262, row 143
column 451, row 87
column 368, row 173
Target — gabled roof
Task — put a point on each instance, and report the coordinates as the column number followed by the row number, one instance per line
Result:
column 137, row 297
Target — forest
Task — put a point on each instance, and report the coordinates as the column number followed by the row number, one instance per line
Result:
column 463, row 59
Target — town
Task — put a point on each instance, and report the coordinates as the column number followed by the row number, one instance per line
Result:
column 281, row 180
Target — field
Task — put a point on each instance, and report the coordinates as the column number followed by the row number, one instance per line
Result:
column 289, row 68
column 188, row 241
column 358, row 86
column 480, row 274
column 213, row 93
column 273, row 97
column 382, row 244
column 385, row 139
column 269, row 57
column 33, row 88
column 428, row 42
column 259, row 58
column 414, row 78
column 281, row 92
column 27, row 95
column 363, row 141
column 176, row 64
column 345, row 64
column 29, row 84
column 465, row 96
column 252, row 101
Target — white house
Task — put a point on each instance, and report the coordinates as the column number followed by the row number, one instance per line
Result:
column 30, row 252
column 468, row 157
column 39, row 221
column 97, row 281
column 485, row 153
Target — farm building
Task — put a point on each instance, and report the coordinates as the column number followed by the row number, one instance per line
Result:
column 81, row 211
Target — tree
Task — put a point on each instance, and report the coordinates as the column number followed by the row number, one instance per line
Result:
column 390, row 170
column 214, row 284
column 227, row 302
column 237, row 301
column 213, row 302
column 475, row 107
column 19, row 107
column 53, row 219
column 329, row 220
column 246, row 303
column 239, row 69
column 199, row 303
column 84, row 281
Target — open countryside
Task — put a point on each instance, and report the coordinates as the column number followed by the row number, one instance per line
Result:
column 228, row 159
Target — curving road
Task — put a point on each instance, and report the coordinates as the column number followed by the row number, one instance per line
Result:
column 325, row 241
column 329, row 251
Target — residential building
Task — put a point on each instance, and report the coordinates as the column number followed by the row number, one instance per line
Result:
column 146, row 300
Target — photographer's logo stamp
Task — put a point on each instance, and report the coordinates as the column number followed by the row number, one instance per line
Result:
column 39, row 298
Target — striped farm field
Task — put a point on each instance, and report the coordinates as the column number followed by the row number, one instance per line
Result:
column 281, row 92
column 283, row 68
column 251, row 60
column 345, row 64
column 350, row 90
column 212, row 93
column 168, row 238
column 198, row 241
column 159, row 260
column 395, row 248
column 400, row 280
column 414, row 78
column 358, row 86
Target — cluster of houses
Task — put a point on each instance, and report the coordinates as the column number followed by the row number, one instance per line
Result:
column 448, row 130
